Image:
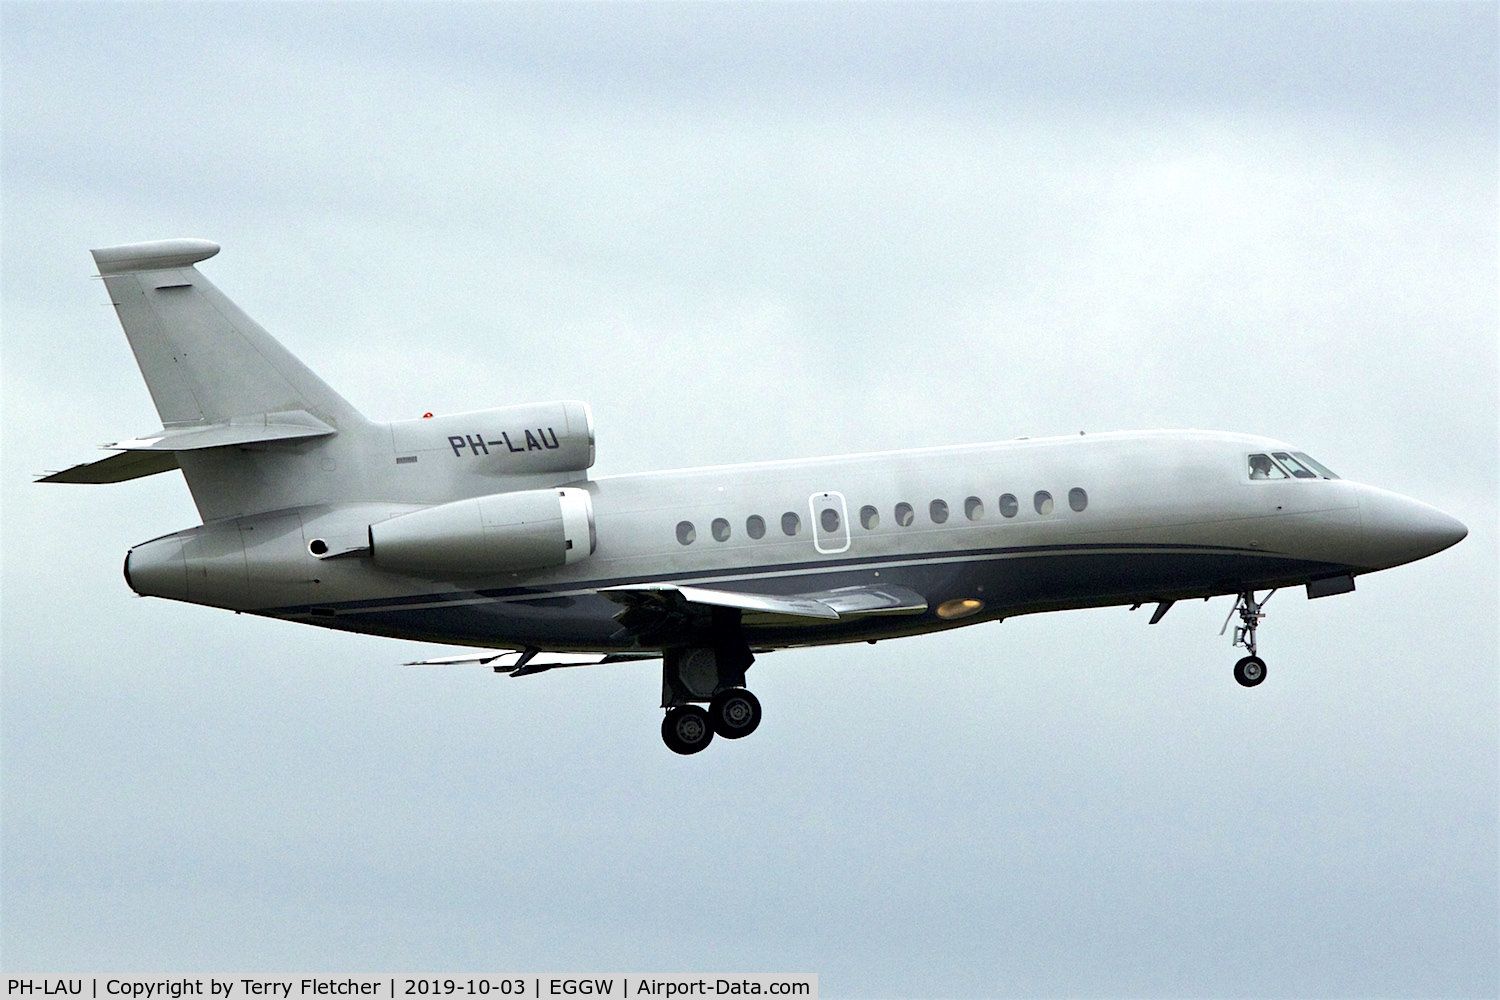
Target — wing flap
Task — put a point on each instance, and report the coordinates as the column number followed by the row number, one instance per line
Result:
column 826, row 605
column 796, row 606
column 880, row 599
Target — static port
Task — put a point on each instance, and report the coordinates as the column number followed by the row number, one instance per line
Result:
column 317, row 547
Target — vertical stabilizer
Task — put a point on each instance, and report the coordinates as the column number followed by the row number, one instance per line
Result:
column 203, row 359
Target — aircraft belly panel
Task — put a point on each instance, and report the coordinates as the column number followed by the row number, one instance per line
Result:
column 1009, row 584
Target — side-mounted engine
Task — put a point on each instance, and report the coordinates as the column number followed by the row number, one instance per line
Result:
column 500, row 533
column 509, row 441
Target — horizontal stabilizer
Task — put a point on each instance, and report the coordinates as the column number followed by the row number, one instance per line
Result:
column 260, row 428
column 157, row 452
column 116, row 468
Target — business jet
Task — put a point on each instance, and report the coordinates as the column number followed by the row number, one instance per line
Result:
column 484, row 530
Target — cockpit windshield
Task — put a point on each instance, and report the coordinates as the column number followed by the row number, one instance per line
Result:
column 1261, row 467
column 1317, row 467
column 1295, row 467
column 1288, row 464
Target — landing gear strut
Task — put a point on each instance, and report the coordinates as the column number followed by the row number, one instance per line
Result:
column 1250, row 670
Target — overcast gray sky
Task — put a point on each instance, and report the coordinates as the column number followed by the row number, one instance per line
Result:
column 746, row 232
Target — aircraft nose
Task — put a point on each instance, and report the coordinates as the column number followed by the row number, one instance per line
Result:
column 1398, row 529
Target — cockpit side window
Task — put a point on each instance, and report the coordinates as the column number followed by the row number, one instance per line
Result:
column 1295, row 467
column 1261, row 467
column 1316, row 466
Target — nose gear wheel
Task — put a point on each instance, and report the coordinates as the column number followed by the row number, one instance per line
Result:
column 1250, row 670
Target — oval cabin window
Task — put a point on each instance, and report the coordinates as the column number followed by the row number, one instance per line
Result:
column 1042, row 502
column 720, row 529
column 790, row 523
column 686, row 533
column 1008, row 505
column 905, row 515
column 974, row 508
column 1077, row 499
column 869, row 517
column 938, row 511
column 830, row 519
column 755, row 526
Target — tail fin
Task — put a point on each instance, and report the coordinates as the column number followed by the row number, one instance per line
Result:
column 203, row 359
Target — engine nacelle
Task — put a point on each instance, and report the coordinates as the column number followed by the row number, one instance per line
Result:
column 512, row 440
column 499, row 533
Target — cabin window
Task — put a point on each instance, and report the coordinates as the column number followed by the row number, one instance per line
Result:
column 755, row 526
column 720, row 529
column 1077, row 499
column 790, row 523
column 686, row 533
column 974, row 508
column 829, row 519
column 1008, row 505
column 1295, row 467
column 1261, row 467
column 1042, row 502
column 905, row 515
column 1317, row 467
column 938, row 511
column 869, row 517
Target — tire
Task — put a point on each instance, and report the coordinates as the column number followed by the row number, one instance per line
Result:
column 1250, row 671
column 686, row 729
column 735, row 713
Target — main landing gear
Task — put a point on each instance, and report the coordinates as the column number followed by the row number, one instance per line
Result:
column 733, row 714
column 1250, row 670
column 712, row 674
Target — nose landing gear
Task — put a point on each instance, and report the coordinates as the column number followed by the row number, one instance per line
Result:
column 1250, row 670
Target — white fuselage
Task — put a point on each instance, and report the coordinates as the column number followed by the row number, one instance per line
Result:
column 1163, row 515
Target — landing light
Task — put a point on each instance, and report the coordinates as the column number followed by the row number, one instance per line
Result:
column 961, row 608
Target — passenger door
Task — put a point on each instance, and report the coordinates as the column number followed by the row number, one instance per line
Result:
column 830, row 522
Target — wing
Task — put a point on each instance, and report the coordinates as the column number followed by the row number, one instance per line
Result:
column 519, row 664
column 879, row 599
column 668, row 595
column 650, row 606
